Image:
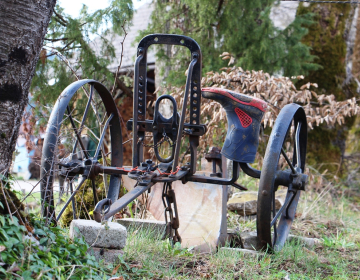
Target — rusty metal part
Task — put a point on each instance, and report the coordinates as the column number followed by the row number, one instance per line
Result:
column 161, row 131
column 214, row 156
column 49, row 156
column 118, row 205
column 192, row 89
column 171, row 214
column 273, row 228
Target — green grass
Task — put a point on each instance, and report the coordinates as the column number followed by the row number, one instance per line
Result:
column 337, row 259
column 332, row 218
column 333, row 221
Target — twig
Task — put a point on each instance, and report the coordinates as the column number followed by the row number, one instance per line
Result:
column 60, row 17
column 6, row 202
column 121, row 57
column 71, row 273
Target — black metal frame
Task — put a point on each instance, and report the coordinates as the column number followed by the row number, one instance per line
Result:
column 146, row 173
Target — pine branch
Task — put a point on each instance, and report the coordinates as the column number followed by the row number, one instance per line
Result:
column 61, row 18
column 56, row 40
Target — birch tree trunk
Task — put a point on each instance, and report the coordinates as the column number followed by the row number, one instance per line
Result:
column 23, row 25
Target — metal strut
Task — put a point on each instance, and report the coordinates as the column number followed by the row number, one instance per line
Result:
column 171, row 214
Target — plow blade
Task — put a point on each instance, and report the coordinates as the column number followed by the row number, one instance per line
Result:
column 201, row 208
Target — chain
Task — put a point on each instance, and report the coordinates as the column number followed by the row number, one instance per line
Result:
column 321, row 1
column 164, row 139
column 172, row 223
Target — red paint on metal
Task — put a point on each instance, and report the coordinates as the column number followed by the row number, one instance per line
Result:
column 244, row 118
column 255, row 102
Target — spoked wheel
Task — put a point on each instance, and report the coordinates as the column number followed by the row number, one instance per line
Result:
column 84, row 128
column 283, row 168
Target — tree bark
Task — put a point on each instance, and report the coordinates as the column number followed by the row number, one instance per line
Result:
column 23, row 25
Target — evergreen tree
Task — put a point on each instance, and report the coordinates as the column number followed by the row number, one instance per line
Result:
column 72, row 41
column 241, row 27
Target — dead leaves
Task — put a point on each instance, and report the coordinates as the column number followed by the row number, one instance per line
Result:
column 277, row 91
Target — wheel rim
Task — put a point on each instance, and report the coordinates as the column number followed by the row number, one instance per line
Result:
column 73, row 119
column 273, row 228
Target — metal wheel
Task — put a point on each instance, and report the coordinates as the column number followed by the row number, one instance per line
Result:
column 84, row 128
column 283, row 168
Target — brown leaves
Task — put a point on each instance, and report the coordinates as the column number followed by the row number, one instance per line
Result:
column 277, row 91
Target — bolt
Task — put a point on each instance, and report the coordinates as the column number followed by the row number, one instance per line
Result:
column 264, row 193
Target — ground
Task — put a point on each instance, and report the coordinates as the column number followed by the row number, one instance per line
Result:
column 329, row 213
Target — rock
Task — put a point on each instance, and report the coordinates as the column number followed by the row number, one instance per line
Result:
column 245, row 203
column 249, row 241
column 110, row 235
column 307, row 242
column 108, row 255
column 246, row 252
column 143, row 224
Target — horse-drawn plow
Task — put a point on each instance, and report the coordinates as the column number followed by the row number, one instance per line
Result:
column 174, row 185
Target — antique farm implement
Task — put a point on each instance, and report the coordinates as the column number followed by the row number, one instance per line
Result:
column 82, row 161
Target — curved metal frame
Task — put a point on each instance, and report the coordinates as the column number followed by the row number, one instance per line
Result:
column 269, row 181
column 193, row 84
column 146, row 173
column 50, row 142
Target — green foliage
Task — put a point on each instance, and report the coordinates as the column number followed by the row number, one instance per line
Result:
column 72, row 40
column 242, row 28
column 84, row 201
column 55, row 257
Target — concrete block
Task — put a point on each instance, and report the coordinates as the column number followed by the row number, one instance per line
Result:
column 109, row 235
column 152, row 225
column 246, row 252
column 108, row 255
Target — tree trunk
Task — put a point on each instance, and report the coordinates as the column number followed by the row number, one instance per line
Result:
column 23, row 25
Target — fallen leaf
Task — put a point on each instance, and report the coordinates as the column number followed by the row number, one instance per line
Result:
column 205, row 275
column 135, row 265
column 115, row 269
column 117, row 278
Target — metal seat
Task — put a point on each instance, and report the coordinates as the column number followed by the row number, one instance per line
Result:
column 244, row 115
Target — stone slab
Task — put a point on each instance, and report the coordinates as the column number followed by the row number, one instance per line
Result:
column 108, row 255
column 109, row 235
column 250, row 241
column 306, row 241
column 143, row 224
column 246, row 252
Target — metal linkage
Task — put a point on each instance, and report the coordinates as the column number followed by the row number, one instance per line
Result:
column 171, row 214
